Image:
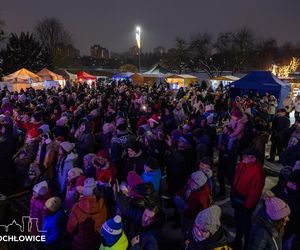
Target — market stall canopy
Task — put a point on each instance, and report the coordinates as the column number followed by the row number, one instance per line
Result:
column 225, row 78
column 183, row 80
column 46, row 74
column 261, row 82
column 157, row 69
column 22, row 75
column 123, row 75
column 81, row 75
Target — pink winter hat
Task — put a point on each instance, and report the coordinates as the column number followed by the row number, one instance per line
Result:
column 276, row 208
column 133, row 179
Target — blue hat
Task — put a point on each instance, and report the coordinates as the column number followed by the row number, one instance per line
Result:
column 112, row 230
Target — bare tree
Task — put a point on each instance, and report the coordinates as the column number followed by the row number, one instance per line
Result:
column 203, row 55
column 52, row 33
column 243, row 46
column 2, row 24
column 177, row 58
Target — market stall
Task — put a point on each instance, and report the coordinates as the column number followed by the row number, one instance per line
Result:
column 23, row 79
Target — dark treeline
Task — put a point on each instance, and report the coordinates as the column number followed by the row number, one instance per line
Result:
column 50, row 45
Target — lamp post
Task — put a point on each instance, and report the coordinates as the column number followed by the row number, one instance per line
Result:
column 138, row 41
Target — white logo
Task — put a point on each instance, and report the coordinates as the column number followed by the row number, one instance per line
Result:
column 28, row 224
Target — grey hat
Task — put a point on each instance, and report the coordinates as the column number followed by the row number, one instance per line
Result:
column 89, row 187
column 209, row 219
column 199, row 178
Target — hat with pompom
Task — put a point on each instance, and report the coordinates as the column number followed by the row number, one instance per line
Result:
column 112, row 230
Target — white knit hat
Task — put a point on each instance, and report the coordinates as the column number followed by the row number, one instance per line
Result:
column 276, row 208
column 209, row 219
column 67, row 146
column 74, row 172
column 41, row 188
column 89, row 186
column 199, row 178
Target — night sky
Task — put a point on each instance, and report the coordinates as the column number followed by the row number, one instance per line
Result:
column 111, row 23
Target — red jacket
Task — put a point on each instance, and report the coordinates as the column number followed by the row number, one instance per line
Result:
column 197, row 201
column 249, row 181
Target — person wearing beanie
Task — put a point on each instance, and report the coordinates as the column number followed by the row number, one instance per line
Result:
column 54, row 223
column 80, row 183
column 39, row 197
column 108, row 132
column 207, row 231
column 119, row 143
column 290, row 193
column 26, row 154
column 205, row 166
column 71, row 194
column 33, row 173
column 89, row 187
column 245, row 194
column 113, row 235
column 89, row 169
column 269, row 223
column 102, row 164
column 152, row 173
column 46, row 155
column 180, row 164
column 136, row 159
column 193, row 198
column 86, row 217
column 210, row 131
column 280, row 128
column 85, row 140
column 146, row 229
column 237, row 123
column 67, row 159
column 168, row 120
column 44, row 129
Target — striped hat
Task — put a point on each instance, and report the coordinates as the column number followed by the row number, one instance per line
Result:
column 112, row 230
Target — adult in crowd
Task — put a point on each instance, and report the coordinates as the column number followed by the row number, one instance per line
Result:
column 246, row 191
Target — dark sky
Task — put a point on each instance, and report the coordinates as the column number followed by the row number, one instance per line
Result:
column 111, row 23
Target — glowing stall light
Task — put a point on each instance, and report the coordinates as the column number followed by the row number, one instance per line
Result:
column 285, row 70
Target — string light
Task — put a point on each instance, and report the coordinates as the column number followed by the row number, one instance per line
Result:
column 285, row 70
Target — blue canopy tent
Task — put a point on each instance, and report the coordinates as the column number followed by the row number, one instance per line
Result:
column 123, row 76
column 261, row 82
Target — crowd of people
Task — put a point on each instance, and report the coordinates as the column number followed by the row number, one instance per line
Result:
column 103, row 162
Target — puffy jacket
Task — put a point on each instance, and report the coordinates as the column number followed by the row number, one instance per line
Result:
column 263, row 236
column 248, row 182
column 218, row 241
column 37, row 211
column 121, row 244
column 153, row 177
column 53, row 226
column 85, row 220
column 196, row 201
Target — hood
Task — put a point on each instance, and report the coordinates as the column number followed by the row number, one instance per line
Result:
column 219, row 239
column 71, row 157
column 89, row 205
column 261, row 220
column 154, row 174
